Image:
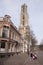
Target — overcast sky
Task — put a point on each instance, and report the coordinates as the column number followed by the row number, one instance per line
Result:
column 35, row 13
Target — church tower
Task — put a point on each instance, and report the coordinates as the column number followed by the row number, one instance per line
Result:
column 24, row 28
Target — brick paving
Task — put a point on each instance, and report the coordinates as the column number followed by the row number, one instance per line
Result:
column 22, row 59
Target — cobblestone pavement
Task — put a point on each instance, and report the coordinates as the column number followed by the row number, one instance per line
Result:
column 22, row 59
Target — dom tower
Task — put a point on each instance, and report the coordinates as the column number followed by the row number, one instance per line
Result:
column 24, row 27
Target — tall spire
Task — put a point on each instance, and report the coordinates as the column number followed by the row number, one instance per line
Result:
column 24, row 28
column 24, row 15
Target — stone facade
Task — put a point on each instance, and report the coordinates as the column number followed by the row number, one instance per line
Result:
column 10, row 38
column 24, row 28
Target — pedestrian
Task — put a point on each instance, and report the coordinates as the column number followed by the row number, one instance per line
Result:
column 33, row 56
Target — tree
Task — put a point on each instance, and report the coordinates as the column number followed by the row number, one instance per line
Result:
column 33, row 40
column 41, row 45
